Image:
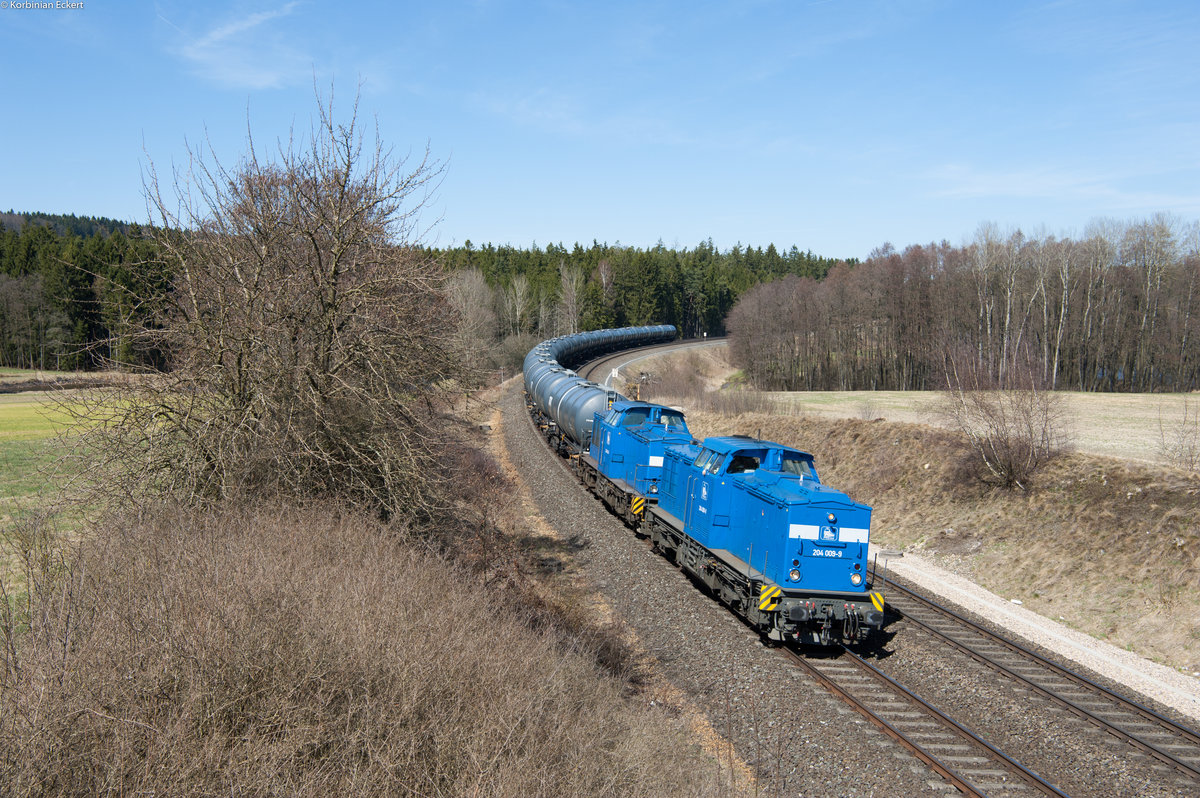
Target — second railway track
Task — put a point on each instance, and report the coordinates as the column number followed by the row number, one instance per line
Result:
column 961, row 757
column 1104, row 710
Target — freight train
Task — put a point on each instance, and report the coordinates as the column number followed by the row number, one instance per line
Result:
column 749, row 519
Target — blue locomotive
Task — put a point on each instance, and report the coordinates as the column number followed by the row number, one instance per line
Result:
column 749, row 519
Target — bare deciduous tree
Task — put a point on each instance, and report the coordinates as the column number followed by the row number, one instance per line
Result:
column 1012, row 429
column 517, row 301
column 473, row 301
column 570, row 296
column 307, row 341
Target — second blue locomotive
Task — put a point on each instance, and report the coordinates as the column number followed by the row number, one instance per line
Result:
column 750, row 519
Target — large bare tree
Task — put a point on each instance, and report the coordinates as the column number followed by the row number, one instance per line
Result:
column 305, row 340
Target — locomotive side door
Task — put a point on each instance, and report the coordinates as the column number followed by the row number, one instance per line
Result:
column 703, row 497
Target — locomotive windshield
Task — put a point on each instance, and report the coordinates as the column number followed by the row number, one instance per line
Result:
column 673, row 421
column 800, row 466
column 635, row 416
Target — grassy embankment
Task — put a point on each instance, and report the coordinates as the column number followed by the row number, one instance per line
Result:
column 313, row 650
column 1106, row 545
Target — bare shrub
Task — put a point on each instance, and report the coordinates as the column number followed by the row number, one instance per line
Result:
column 1180, row 437
column 35, row 567
column 305, row 339
column 867, row 410
column 301, row 650
column 1011, row 429
column 511, row 352
column 674, row 378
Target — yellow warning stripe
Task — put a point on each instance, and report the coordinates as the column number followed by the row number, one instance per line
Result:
column 768, row 599
column 637, row 505
column 877, row 600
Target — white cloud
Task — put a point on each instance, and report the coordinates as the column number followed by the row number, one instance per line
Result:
column 961, row 181
column 248, row 52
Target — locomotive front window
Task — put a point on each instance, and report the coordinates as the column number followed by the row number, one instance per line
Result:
column 742, row 463
column 799, row 466
column 673, row 421
column 635, row 417
column 702, row 459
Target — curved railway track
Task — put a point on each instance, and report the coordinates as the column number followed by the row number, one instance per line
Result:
column 598, row 370
column 1106, row 711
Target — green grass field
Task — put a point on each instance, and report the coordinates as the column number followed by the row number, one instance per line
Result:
column 29, row 451
column 22, row 375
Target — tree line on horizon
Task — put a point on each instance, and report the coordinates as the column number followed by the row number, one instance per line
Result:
column 1116, row 309
column 64, row 281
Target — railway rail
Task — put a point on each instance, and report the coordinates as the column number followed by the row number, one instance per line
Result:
column 597, row 370
column 962, row 758
column 1107, row 711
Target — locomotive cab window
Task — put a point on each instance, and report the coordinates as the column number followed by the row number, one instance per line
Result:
column 742, row 464
column 703, row 458
column 673, row 421
column 635, row 416
column 799, row 466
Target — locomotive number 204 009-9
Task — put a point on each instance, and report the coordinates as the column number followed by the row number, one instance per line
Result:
column 826, row 552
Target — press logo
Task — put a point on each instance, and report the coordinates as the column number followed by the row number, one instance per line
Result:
column 828, row 533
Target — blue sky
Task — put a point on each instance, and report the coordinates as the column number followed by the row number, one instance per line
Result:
column 835, row 126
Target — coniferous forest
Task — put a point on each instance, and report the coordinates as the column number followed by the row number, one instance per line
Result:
column 64, row 279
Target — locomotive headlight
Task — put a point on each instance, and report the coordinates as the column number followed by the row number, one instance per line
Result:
column 653, row 487
column 856, row 579
column 794, row 574
column 832, row 518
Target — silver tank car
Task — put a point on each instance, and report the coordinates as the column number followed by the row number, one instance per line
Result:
column 561, row 395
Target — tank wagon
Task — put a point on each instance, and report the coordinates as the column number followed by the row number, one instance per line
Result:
column 566, row 404
column 749, row 519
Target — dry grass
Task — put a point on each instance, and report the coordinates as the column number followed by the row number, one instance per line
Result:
column 282, row 650
column 1110, row 547
column 695, row 379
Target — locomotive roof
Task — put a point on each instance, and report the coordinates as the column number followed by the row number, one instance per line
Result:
column 626, row 404
column 725, row 444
